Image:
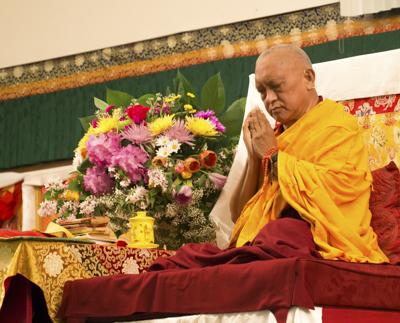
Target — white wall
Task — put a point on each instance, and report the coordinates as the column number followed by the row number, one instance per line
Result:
column 36, row 30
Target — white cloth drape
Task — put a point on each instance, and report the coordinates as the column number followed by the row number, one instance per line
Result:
column 295, row 315
column 349, row 8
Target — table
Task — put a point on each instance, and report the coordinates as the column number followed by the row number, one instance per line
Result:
column 50, row 262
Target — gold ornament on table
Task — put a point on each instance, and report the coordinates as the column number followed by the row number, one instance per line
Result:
column 141, row 232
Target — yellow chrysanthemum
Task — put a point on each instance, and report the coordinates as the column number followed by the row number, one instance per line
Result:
column 161, row 124
column 189, row 108
column 105, row 125
column 71, row 195
column 190, row 95
column 172, row 98
column 84, row 140
column 200, row 127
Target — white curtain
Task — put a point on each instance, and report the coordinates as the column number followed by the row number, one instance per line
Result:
column 349, row 8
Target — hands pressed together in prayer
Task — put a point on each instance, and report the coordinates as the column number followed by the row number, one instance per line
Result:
column 258, row 135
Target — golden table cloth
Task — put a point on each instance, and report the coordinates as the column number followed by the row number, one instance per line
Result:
column 49, row 263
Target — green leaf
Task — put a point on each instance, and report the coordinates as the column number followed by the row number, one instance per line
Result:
column 168, row 91
column 85, row 121
column 213, row 94
column 100, row 104
column 183, row 86
column 84, row 166
column 143, row 99
column 74, row 186
column 232, row 119
column 118, row 98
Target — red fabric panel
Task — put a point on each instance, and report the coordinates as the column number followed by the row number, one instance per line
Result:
column 6, row 233
column 374, row 105
column 336, row 283
column 218, row 289
column 385, row 208
column 340, row 315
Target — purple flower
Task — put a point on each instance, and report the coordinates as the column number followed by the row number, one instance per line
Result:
column 156, row 110
column 97, row 181
column 218, row 125
column 218, row 180
column 184, row 196
column 131, row 159
column 101, row 148
column 166, row 109
column 205, row 114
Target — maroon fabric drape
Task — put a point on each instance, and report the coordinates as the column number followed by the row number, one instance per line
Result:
column 283, row 238
column 209, row 283
column 279, row 270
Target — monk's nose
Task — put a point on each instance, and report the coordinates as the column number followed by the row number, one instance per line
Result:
column 270, row 97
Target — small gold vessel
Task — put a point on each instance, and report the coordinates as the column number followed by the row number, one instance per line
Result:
column 141, row 232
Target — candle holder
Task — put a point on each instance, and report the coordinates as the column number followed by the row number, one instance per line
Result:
column 141, row 232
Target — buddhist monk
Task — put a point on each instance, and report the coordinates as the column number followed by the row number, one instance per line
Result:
column 313, row 167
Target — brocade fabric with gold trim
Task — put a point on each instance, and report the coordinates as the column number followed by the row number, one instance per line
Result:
column 50, row 264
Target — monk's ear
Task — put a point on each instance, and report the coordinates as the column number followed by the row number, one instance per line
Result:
column 309, row 76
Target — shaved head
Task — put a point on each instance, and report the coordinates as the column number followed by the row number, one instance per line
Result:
column 286, row 81
column 288, row 53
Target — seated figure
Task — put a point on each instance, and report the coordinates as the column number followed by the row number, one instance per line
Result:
column 313, row 167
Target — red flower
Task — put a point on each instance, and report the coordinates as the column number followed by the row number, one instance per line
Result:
column 208, row 159
column 137, row 113
column 192, row 165
column 109, row 109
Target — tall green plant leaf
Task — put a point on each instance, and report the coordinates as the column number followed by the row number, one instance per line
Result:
column 144, row 98
column 183, row 86
column 85, row 121
column 233, row 117
column 118, row 98
column 213, row 94
column 100, row 104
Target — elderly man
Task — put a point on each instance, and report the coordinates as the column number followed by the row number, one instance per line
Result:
column 315, row 163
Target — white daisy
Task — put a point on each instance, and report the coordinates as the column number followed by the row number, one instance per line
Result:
column 174, row 146
column 162, row 141
column 164, row 151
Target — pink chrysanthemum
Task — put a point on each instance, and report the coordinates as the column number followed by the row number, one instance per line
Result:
column 131, row 159
column 102, row 147
column 97, row 181
column 180, row 133
column 137, row 134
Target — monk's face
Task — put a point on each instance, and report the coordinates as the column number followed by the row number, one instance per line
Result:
column 284, row 84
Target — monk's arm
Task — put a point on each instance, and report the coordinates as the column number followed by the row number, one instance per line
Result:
column 247, row 186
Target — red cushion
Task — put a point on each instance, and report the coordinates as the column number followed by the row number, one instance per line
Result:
column 385, row 208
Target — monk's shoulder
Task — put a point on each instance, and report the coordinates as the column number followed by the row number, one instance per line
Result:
column 338, row 117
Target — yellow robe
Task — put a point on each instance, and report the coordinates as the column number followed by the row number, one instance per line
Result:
column 323, row 174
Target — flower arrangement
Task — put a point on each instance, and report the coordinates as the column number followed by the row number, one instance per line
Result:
column 160, row 153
